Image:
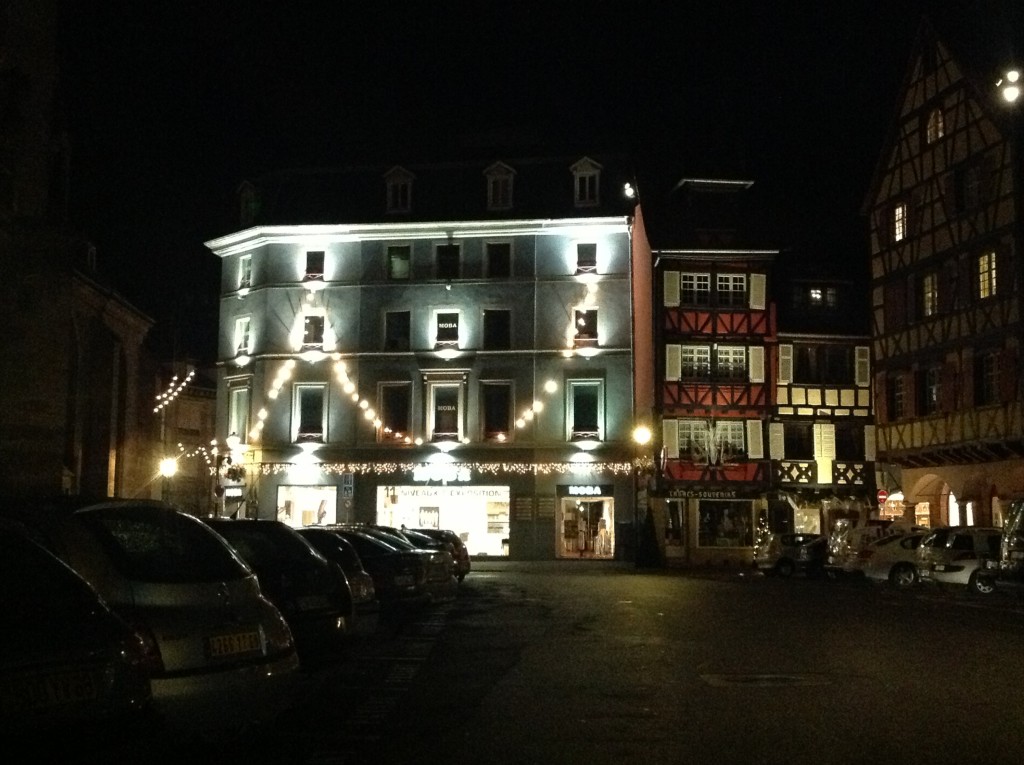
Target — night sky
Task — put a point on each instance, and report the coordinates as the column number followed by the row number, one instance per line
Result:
column 171, row 105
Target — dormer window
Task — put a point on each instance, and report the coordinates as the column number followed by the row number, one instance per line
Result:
column 587, row 180
column 499, row 186
column 399, row 190
column 314, row 265
column 586, row 258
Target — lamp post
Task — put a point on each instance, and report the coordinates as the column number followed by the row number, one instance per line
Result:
column 168, row 467
column 641, row 437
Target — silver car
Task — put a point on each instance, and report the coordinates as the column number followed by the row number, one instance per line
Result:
column 789, row 553
column 891, row 559
column 957, row 555
column 225, row 658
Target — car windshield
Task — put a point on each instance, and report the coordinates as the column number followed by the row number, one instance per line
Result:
column 264, row 544
column 160, row 545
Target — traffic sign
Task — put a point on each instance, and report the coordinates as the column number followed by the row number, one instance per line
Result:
column 882, row 496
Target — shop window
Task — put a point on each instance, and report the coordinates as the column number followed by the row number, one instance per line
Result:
column 447, row 329
column 444, row 404
column 586, row 258
column 724, row 523
column 585, row 407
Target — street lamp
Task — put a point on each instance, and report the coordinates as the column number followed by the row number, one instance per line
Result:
column 168, row 467
column 641, row 437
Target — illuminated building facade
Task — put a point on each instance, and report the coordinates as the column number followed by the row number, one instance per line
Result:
column 944, row 211
column 435, row 345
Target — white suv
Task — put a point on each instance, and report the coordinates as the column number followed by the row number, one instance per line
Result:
column 956, row 555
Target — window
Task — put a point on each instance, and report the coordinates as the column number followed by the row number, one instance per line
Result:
column 499, row 186
column 308, row 413
column 314, row 265
column 399, row 259
column 731, row 362
column 732, row 290
column 447, row 333
column 395, row 408
column 447, row 261
column 850, row 442
column 695, row 289
column 445, row 407
column 586, row 326
column 586, row 258
column 497, row 330
column 313, row 332
column 822, row 297
column 929, row 294
column 586, row 409
column 798, row 438
column 695, row 362
column 899, row 222
column 897, row 398
column 245, row 272
column 238, row 412
column 711, row 442
column 936, row 128
column 243, row 336
column 986, row 382
column 986, row 275
column 725, row 523
column 930, row 390
column 496, row 414
column 396, row 330
column 399, row 190
column 498, row 257
column 587, row 177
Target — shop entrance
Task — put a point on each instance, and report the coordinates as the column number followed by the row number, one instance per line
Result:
column 586, row 528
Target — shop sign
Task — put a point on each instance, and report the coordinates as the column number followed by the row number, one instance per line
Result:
column 585, row 491
column 703, row 494
column 234, row 491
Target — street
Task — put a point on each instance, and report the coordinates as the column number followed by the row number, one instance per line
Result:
column 597, row 662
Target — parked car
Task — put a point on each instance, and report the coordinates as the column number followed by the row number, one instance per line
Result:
column 312, row 594
column 957, row 555
column 791, row 553
column 459, row 551
column 399, row 576
column 72, row 672
column 846, row 540
column 224, row 657
column 442, row 584
column 334, row 547
column 891, row 559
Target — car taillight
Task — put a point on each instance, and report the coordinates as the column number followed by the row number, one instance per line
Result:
column 152, row 661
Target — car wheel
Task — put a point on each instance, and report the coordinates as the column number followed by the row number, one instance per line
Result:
column 980, row 584
column 903, row 575
column 784, row 568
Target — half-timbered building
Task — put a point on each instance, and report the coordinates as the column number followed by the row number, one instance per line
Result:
column 944, row 210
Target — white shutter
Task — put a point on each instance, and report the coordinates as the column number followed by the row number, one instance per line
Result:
column 785, row 364
column 670, row 438
column 825, row 441
column 673, row 362
column 863, row 366
column 755, row 440
column 776, row 441
column 757, row 291
column 755, row 361
column 671, row 288
column 869, row 443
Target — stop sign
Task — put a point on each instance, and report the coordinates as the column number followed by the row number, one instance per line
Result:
column 882, row 496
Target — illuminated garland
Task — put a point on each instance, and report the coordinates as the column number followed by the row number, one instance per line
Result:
column 492, row 468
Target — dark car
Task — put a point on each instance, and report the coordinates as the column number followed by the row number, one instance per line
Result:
column 399, row 575
column 460, row 552
column 334, row 547
column 72, row 672
column 224, row 658
column 311, row 593
column 790, row 553
column 442, row 584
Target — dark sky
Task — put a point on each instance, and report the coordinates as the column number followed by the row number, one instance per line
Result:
column 172, row 104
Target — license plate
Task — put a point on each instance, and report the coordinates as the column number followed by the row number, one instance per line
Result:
column 48, row 690
column 940, row 566
column 234, row 644
column 404, row 580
